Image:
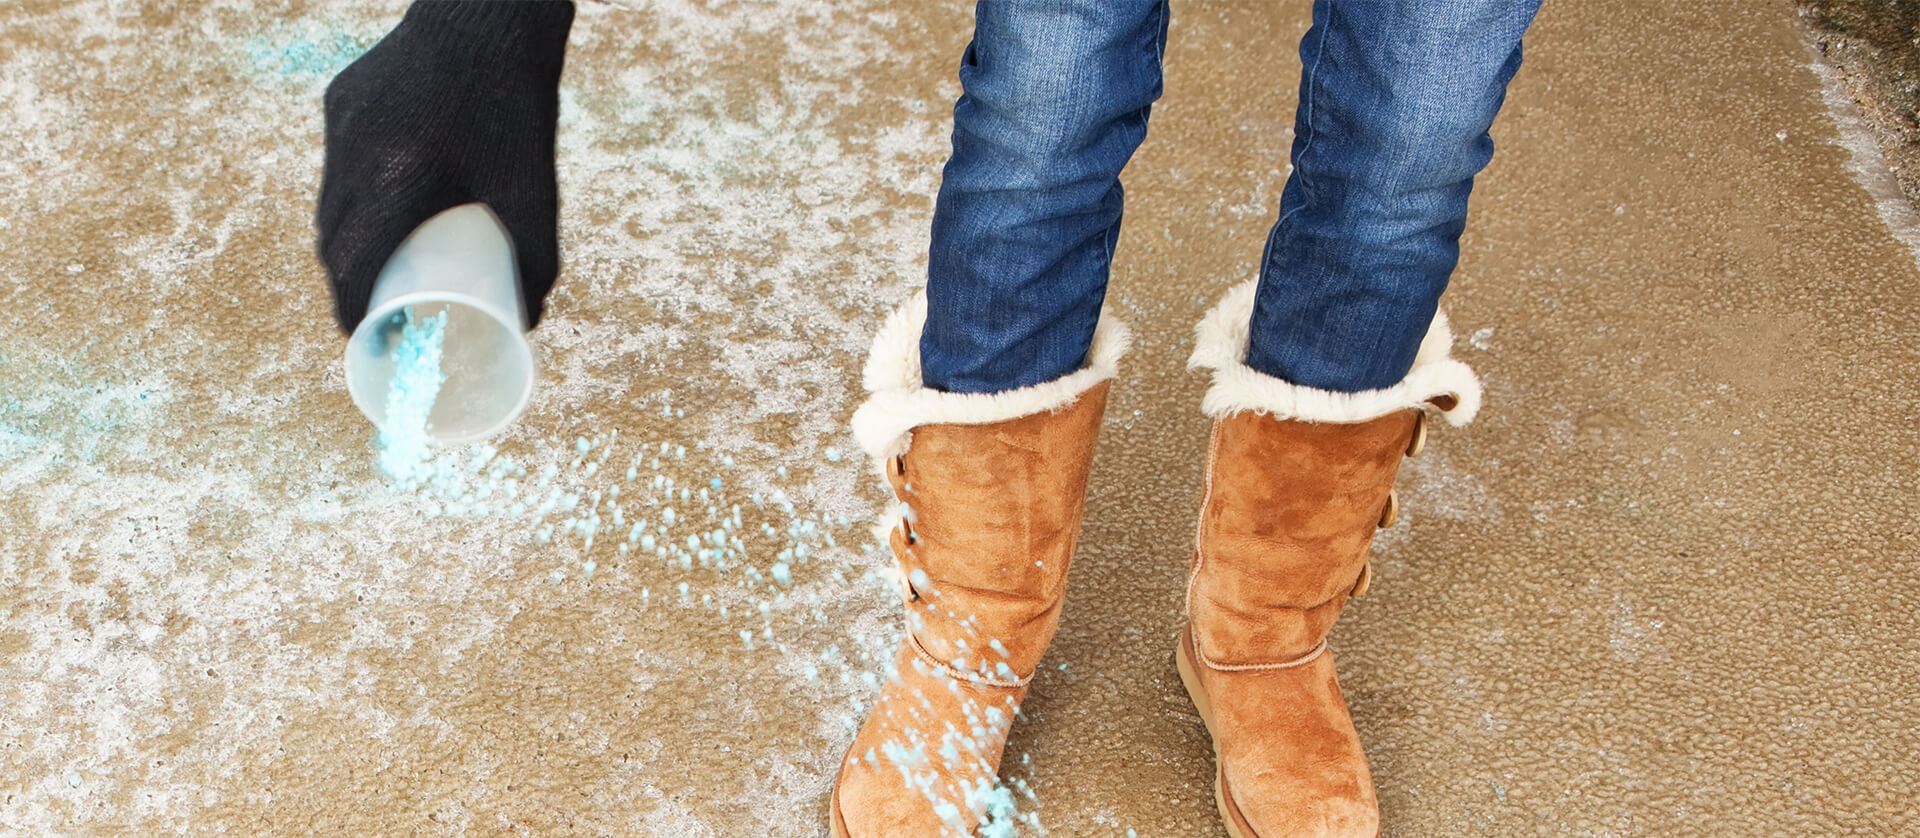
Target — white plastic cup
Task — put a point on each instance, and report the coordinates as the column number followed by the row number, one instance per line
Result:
column 461, row 262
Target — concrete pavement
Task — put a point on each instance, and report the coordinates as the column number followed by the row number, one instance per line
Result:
column 1665, row 585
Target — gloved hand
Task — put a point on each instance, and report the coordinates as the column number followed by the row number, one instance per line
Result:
column 457, row 104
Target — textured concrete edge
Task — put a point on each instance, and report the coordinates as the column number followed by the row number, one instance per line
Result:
column 1864, row 158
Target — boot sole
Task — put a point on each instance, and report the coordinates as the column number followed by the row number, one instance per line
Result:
column 1230, row 816
column 838, row 826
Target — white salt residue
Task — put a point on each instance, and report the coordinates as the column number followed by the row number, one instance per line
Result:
column 1435, row 483
column 237, row 572
column 14, row 443
column 404, row 441
column 115, row 679
column 1631, row 636
column 1865, row 159
column 750, row 220
column 57, row 415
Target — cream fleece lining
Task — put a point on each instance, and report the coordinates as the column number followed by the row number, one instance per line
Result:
column 1220, row 344
column 898, row 402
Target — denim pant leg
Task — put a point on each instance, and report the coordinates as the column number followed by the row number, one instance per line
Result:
column 1056, row 97
column 1396, row 97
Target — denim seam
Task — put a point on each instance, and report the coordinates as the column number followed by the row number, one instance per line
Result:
column 1107, row 238
column 1108, row 241
column 1160, row 44
column 1312, row 93
column 1311, row 75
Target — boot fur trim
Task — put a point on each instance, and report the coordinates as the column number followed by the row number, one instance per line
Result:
column 1220, row 344
column 898, row 402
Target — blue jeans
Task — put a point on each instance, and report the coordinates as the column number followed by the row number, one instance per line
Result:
column 1396, row 97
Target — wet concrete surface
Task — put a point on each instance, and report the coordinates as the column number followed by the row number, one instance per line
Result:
column 1665, row 584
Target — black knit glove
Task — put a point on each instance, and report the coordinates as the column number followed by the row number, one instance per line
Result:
column 457, row 104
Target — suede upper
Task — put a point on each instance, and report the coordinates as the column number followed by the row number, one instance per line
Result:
column 990, row 514
column 1290, row 510
column 928, row 756
column 990, row 517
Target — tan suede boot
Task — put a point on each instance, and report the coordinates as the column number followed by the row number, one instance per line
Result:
column 990, row 490
column 1297, row 481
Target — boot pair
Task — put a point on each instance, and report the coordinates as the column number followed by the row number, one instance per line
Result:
column 989, row 491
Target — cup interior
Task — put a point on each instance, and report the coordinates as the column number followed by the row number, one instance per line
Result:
column 486, row 361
